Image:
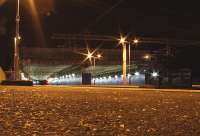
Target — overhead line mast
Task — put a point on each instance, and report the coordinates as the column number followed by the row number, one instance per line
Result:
column 17, row 43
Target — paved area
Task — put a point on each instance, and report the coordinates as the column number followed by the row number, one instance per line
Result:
column 96, row 111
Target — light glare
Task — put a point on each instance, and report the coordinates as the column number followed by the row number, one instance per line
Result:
column 122, row 40
column 135, row 41
column 154, row 74
column 137, row 73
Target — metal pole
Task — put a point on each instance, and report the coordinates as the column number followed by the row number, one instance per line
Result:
column 129, row 65
column 17, row 42
column 124, row 64
column 94, row 70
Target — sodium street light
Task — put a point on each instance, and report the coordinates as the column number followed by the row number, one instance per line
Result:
column 122, row 40
column 89, row 55
column 147, row 57
column 135, row 41
column 99, row 56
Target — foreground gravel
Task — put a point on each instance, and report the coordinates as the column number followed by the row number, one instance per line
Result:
column 71, row 111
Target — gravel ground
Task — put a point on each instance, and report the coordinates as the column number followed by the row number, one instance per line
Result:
column 81, row 111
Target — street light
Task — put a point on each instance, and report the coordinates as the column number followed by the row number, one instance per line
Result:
column 155, row 74
column 123, row 41
column 96, row 57
column 99, row 56
column 90, row 57
column 147, row 57
column 135, row 41
column 17, row 43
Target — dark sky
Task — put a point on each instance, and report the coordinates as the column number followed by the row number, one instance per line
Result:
column 170, row 19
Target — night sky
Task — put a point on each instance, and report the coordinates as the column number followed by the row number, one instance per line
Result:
column 170, row 19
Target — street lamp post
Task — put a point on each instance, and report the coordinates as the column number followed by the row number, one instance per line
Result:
column 123, row 42
column 135, row 41
column 90, row 56
column 17, row 42
column 124, row 64
column 94, row 68
column 129, row 65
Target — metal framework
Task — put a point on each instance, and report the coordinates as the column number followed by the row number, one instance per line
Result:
column 17, row 43
column 107, row 38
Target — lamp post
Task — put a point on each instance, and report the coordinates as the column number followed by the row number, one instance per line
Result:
column 89, row 56
column 135, row 41
column 148, row 68
column 129, row 59
column 16, row 44
column 97, row 57
column 123, row 41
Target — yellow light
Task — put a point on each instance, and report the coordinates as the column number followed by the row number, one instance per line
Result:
column 135, row 41
column 147, row 56
column 31, row 6
column 99, row 56
column 122, row 40
column 89, row 55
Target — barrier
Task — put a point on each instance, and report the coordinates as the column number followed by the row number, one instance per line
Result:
column 17, row 83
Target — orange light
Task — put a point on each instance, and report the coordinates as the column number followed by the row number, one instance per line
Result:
column 147, row 56
column 99, row 56
column 135, row 41
column 33, row 10
column 122, row 40
column 89, row 55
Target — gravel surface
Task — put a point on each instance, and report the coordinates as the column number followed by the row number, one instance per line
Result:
column 82, row 111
